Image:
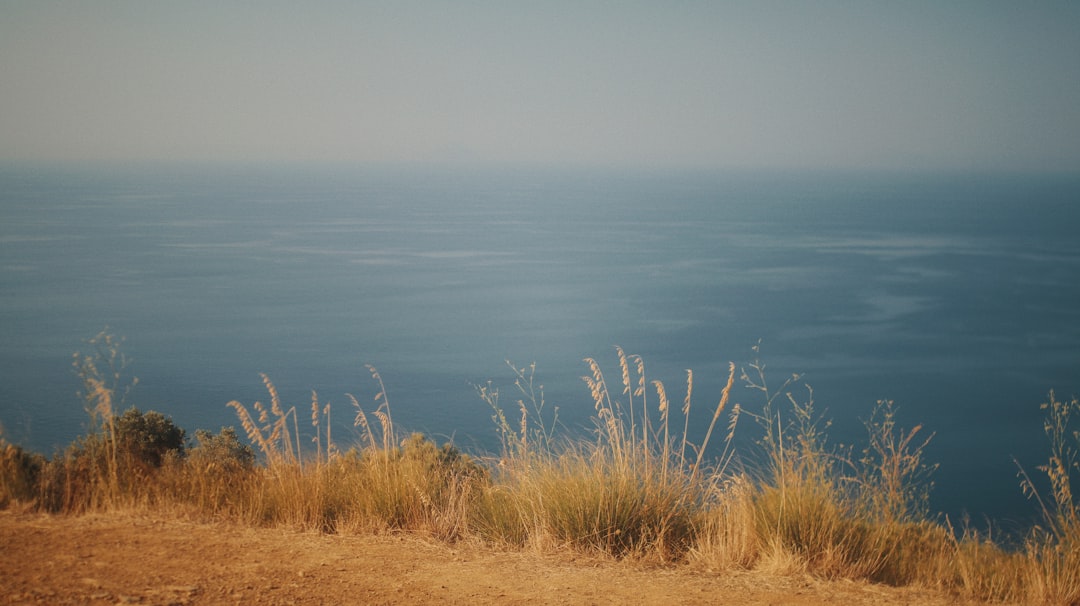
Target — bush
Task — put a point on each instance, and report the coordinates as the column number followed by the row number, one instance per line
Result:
column 113, row 465
column 221, row 451
column 442, row 462
column 218, row 476
column 146, row 439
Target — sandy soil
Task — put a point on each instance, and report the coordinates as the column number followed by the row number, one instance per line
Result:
column 143, row 559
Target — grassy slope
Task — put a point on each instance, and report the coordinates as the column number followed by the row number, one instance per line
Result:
column 638, row 490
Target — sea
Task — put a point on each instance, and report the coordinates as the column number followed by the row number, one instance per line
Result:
column 954, row 295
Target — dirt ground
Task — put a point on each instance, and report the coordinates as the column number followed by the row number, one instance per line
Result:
column 144, row 559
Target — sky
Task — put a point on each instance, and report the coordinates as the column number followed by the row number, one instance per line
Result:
column 951, row 85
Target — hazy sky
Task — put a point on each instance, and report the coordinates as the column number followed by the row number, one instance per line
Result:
column 938, row 84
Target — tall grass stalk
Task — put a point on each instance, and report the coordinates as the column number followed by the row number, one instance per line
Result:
column 383, row 483
column 810, row 508
column 1053, row 549
column 88, row 475
column 627, row 491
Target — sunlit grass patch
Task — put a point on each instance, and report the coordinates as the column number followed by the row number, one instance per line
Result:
column 635, row 488
column 382, row 483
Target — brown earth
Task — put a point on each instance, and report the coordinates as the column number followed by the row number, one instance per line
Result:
column 146, row 559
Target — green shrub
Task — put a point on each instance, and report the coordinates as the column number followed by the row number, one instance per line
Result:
column 146, row 439
column 112, row 466
column 438, row 462
column 222, row 451
column 218, row 476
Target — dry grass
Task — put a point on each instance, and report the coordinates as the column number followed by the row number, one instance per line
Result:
column 382, row 483
column 19, row 474
column 1052, row 553
column 631, row 490
column 637, row 488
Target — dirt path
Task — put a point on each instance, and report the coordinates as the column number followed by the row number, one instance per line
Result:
column 138, row 559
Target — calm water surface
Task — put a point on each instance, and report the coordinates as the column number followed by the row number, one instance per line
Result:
column 953, row 295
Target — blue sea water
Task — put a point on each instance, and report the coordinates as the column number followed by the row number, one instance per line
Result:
column 955, row 295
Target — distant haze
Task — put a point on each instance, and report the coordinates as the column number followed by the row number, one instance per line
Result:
column 893, row 85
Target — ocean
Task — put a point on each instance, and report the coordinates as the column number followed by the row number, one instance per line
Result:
column 957, row 296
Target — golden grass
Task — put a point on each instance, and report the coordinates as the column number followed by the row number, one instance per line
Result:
column 637, row 488
column 628, row 491
column 19, row 471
